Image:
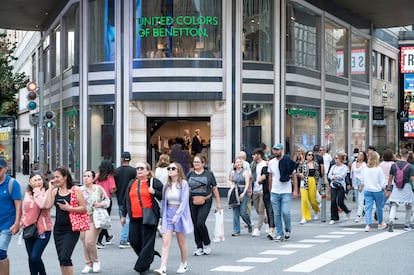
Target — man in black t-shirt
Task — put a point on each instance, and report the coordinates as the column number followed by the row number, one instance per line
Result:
column 123, row 175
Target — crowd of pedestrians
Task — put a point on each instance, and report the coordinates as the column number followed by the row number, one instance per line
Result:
column 181, row 202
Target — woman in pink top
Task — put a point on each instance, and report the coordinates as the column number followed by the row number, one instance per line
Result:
column 106, row 179
column 34, row 211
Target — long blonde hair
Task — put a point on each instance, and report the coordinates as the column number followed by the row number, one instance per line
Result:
column 180, row 179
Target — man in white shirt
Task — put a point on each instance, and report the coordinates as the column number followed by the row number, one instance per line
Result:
column 258, row 202
column 281, row 175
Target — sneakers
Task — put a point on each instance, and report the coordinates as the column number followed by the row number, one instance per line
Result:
column 348, row 215
column 367, row 228
column 316, row 217
column 207, row 250
column 408, row 228
column 160, row 271
column 332, row 222
column 182, row 268
column 124, row 245
column 96, row 267
column 198, row 252
column 108, row 240
column 302, row 221
column 287, row 235
column 358, row 219
column 390, row 226
column 279, row 239
column 100, row 245
column 256, row 232
column 235, row 234
column 382, row 226
column 250, row 229
column 86, row 269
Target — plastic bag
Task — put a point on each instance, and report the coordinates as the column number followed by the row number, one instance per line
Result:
column 219, row 226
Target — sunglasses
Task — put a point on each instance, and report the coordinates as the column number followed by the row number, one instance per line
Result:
column 310, row 154
column 171, row 168
column 140, row 168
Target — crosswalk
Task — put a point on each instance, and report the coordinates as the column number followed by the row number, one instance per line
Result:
column 286, row 249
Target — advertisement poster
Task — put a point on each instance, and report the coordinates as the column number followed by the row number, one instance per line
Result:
column 7, row 125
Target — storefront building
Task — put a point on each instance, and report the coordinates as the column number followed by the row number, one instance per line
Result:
column 134, row 75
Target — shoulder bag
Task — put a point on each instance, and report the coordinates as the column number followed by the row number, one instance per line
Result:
column 79, row 221
column 149, row 217
column 30, row 232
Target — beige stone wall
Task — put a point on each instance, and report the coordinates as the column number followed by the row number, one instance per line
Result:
column 140, row 111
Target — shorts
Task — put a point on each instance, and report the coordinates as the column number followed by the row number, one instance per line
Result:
column 5, row 237
column 175, row 227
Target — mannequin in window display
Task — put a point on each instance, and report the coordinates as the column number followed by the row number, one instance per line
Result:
column 187, row 140
column 196, row 145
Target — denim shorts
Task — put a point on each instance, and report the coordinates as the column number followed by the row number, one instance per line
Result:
column 5, row 237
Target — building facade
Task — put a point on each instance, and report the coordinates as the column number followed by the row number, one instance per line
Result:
column 134, row 75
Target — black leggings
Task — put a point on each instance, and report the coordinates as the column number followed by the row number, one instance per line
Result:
column 337, row 199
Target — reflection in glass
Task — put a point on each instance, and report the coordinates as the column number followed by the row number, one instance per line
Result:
column 359, row 58
column 71, row 21
column 177, row 28
column 257, row 30
column 336, row 50
column 335, row 130
column 302, row 37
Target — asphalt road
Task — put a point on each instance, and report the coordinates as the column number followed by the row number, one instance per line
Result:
column 315, row 248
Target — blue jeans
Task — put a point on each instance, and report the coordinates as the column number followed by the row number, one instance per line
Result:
column 35, row 248
column 281, row 208
column 5, row 238
column 370, row 197
column 241, row 211
column 125, row 227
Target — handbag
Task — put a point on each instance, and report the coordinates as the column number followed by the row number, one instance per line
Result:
column 149, row 216
column 233, row 197
column 337, row 185
column 79, row 221
column 30, row 232
column 101, row 218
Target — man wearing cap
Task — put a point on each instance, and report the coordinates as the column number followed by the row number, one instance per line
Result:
column 281, row 176
column 123, row 175
column 10, row 213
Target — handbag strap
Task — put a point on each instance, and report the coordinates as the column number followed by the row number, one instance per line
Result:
column 139, row 192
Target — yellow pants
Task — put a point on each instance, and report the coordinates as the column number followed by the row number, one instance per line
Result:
column 308, row 198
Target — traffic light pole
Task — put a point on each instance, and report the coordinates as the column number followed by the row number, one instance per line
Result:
column 41, row 140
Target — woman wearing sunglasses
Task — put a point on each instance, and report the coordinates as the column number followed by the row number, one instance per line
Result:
column 140, row 194
column 309, row 175
column 176, row 216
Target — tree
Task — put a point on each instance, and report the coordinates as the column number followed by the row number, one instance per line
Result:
column 10, row 82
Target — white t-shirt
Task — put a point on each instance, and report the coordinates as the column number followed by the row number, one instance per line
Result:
column 278, row 187
column 258, row 187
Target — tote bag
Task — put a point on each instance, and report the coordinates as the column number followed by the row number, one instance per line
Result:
column 79, row 221
column 101, row 218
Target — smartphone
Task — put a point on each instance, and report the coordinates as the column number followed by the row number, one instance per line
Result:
column 62, row 201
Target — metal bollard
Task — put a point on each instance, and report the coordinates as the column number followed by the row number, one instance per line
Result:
column 323, row 203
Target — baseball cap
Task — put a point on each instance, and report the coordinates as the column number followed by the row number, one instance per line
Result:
column 3, row 163
column 126, row 156
column 278, row 146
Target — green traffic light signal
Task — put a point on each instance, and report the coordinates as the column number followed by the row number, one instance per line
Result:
column 32, row 105
column 50, row 124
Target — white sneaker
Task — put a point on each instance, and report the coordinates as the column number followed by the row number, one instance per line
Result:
column 358, row 219
column 96, row 267
column 182, row 268
column 256, row 232
column 332, row 222
column 198, row 252
column 207, row 250
column 316, row 217
column 160, row 271
column 302, row 221
column 86, row 269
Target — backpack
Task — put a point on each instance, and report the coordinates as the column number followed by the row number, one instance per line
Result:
column 399, row 175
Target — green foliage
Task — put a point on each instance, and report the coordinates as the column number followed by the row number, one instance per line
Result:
column 10, row 82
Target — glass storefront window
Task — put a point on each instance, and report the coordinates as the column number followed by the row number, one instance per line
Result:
column 72, row 141
column 46, row 59
column 257, row 30
column 335, row 130
column 358, row 130
column 359, row 58
column 301, row 129
column 336, row 50
column 374, row 64
column 302, row 37
column 177, row 28
column 257, row 126
column 101, row 30
column 56, row 53
column 71, row 21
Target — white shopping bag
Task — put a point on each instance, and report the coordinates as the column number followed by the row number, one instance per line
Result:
column 219, row 226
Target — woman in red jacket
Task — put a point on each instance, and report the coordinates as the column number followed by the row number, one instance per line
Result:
column 34, row 210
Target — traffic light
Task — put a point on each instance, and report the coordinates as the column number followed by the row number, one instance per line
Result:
column 50, row 120
column 32, row 95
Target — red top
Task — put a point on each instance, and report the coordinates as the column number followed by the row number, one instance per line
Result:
column 146, row 197
column 32, row 204
column 107, row 184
